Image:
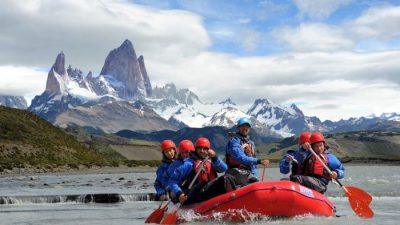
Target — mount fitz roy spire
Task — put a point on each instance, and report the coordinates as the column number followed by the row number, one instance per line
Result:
column 123, row 76
column 146, row 78
column 94, row 101
column 57, row 72
column 124, row 66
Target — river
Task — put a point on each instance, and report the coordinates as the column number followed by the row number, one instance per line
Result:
column 68, row 199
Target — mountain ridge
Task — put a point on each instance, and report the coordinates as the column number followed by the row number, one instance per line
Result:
column 124, row 81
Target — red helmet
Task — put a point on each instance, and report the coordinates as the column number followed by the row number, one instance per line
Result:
column 166, row 144
column 202, row 142
column 185, row 146
column 304, row 137
column 316, row 137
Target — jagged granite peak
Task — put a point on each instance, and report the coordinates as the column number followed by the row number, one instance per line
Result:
column 55, row 83
column 227, row 102
column 169, row 91
column 146, row 78
column 123, row 65
column 77, row 76
column 59, row 65
column 296, row 109
column 18, row 102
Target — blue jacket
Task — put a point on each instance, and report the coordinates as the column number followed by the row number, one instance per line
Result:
column 300, row 155
column 184, row 171
column 335, row 165
column 234, row 149
column 170, row 172
column 161, row 182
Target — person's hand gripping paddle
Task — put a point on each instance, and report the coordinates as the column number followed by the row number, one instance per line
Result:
column 359, row 199
column 172, row 217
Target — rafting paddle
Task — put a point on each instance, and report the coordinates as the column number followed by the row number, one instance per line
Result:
column 359, row 200
column 357, row 191
column 158, row 214
column 262, row 178
column 173, row 217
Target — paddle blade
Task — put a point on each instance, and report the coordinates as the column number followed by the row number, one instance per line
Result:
column 359, row 206
column 361, row 194
column 170, row 218
column 156, row 216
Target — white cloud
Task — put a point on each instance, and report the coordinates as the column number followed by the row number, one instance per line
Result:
column 86, row 30
column 21, row 81
column 319, row 79
column 319, row 9
column 338, row 99
column 320, row 69
column 313, row 37
column 379, row 22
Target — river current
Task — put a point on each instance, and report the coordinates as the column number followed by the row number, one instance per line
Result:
column 72, row 199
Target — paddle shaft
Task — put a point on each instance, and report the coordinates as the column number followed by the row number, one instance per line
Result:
column 262, row 179
column 171, row 218
column 198, row 172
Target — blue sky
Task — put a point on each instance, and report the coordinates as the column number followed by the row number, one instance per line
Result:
column 226, row 20
column 334, row 58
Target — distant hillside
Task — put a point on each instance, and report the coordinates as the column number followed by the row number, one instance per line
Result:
column 365, row 146
column 218, row 136
column 130, row 152
column 27, row 141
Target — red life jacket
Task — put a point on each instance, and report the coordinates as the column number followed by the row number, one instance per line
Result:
column 207, row 174
column 247, row 148
column 313, row 167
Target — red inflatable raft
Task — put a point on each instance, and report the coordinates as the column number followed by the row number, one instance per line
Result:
column 274, row 198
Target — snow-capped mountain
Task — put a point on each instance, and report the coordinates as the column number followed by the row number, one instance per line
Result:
column 390, row 116
column 170, row 92
column 228, row 103
column 371, row 122
column 286, row 121
column 122, row 97
column 181, row 106
column 123, row 76
column 184, row 108
column 18, row 102
column 226, row 117
column 106, row 101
